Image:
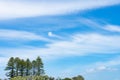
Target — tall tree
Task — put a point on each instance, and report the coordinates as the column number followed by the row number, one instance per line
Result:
column 17, row 66
column 22, row 67
column 39, row 66
column 28, row 67
column 33, row 67
column 10, row 67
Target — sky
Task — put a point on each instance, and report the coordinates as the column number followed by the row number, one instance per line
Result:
column 73, row 37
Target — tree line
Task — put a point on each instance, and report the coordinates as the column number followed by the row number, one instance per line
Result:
column 45, row 77
column 20, row 67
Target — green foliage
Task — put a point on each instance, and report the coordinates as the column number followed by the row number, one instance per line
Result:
column 67, row 79
column 31, row 78
column 33, row 67
column 45, row 77
column 79, row 77
column 51, row 78
column 20, row 67
column 28, row 67
column 10, row 67
column 39, row 66
column 17, row 65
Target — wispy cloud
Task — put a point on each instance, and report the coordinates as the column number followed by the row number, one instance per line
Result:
column 110, row 65
column 18, row 9
column 112, row 28
column 100, row 25
column 96, row 67
column 6, row 34
column 78, row 44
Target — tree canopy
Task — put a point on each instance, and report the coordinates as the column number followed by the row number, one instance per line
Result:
column 25, row 69
column 20, row 67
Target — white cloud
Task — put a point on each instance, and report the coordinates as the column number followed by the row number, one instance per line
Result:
column 101, row 25
column 79, row 44
column 112, row 28
column 110, row 65
column 99, row 69
column 7, row 34
column 92, row 68
column 18, row 9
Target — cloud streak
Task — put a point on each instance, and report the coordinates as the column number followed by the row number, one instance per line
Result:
column 110, row 65
column 6, row 34
column 112, row 28
column 78, row 45
column 19, row 9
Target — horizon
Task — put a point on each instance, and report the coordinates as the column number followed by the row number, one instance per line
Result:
column 72, row 37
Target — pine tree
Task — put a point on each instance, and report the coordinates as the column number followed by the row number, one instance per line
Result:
column 39, row 66
column 33, row 67
column 17, row 66
column 22, row 67
column 28, row 67
column 10, row 67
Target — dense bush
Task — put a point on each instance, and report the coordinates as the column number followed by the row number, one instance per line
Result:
column 31, row 78
column 45, row 78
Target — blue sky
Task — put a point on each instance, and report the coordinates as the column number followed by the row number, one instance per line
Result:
column 72, row 37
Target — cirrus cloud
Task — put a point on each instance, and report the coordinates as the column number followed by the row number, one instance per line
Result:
column 7, row 34
column 20, row 9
